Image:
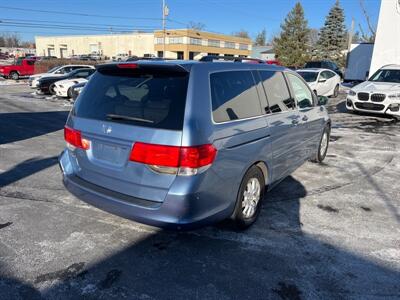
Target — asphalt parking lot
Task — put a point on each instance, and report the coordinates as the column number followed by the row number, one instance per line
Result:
column 330, row 231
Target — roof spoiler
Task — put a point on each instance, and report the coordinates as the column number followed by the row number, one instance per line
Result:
column 211, row 58
column 136, row 67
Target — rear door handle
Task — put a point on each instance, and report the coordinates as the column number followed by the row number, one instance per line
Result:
column 305, row 118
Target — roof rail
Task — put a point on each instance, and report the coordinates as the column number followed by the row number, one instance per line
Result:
column 211, row 58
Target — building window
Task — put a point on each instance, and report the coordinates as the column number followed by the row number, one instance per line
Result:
column 243, row 47
column 159, row 40
column 214, row 43
column 213, row 54
column 175, row 40
column 194, row 41
column 230, row 45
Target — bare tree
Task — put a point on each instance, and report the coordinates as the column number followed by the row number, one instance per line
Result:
column 242, row 33
column 367, row 37
column 196, row 25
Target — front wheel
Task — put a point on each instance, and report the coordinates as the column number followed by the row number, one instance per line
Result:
column 249, row 198
column 14, row 75
column 323, row 146
column 51, row 89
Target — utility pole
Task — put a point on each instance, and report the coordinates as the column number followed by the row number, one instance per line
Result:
column 165, row 13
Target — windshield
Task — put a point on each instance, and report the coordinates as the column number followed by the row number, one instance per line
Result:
column 386, row 76
column 150, row 100
column 309, row 76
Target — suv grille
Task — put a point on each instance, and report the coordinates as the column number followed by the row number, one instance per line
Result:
column 370, row 106
column 363, row 96
column 378, row 97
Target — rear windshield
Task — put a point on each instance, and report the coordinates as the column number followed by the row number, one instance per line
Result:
column 313, row 64
column 150, row 100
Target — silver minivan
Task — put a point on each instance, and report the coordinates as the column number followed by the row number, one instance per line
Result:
column 182, row 144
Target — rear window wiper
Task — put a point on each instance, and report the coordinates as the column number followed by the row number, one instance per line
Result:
column 121, row 117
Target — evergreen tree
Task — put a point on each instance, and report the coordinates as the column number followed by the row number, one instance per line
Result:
column 261, row 38
column 292, row 45
column 333, row 35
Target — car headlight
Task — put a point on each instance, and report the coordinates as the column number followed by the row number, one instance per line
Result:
column 394, row 96
column 352, row 93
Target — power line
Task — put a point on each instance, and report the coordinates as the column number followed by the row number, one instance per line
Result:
column 88, row 15
column 73, row 23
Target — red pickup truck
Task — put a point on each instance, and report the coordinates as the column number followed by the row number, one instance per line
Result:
column 22, row 67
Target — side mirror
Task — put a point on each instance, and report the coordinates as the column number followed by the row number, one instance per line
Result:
column 322, row 80
column 322, row 100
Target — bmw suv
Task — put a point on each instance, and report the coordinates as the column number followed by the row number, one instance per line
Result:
column 379, row 94
column 182, row 144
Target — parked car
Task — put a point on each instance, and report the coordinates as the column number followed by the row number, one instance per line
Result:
column 58, row 71
column 120, row 57
column 324, row 64
column 323, row 82
column 76, row 89
column 4, row 56
column 46, row 84
column 191, row 143
column 63, row 88
column 21, row 68
column 379, row 94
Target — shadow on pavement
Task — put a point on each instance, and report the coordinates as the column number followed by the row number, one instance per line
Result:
column 274, row 259
column 25, row 125
column 25, row 169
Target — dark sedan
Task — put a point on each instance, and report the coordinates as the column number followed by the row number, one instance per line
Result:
column 46, row 84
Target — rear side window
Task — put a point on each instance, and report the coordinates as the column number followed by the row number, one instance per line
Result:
column 150, row 100
column 234, row 96
column 277, row 92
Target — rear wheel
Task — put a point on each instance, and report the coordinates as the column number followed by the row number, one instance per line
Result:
column 323, row 146
column 336, row 91
column 14, row 75
column 69, row 93
column 248, row 202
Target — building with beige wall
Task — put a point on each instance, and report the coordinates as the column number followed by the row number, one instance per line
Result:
column 179, row 44
column 193, row 44
column 107, row 45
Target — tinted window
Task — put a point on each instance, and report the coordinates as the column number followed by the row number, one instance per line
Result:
column 277, row 92
column 30, row 62
column 234, row 96
column 313, row 64
column 302, row 93
column 309, row 76
column 151, row 100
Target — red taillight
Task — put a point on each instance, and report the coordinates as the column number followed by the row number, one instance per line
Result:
column 173, row 156
column 127, row 66
column 74, row 138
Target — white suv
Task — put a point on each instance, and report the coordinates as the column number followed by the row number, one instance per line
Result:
column 379, row 94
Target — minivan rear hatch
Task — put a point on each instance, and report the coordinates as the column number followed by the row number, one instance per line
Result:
column 123, row 104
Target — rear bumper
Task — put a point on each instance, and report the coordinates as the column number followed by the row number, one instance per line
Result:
column 178, row 211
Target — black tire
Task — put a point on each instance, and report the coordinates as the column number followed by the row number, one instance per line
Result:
column 14, row 75
column 321, row 154
column 69, row 93
column 239, row 218
column 51, row 89
column 336, row 92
